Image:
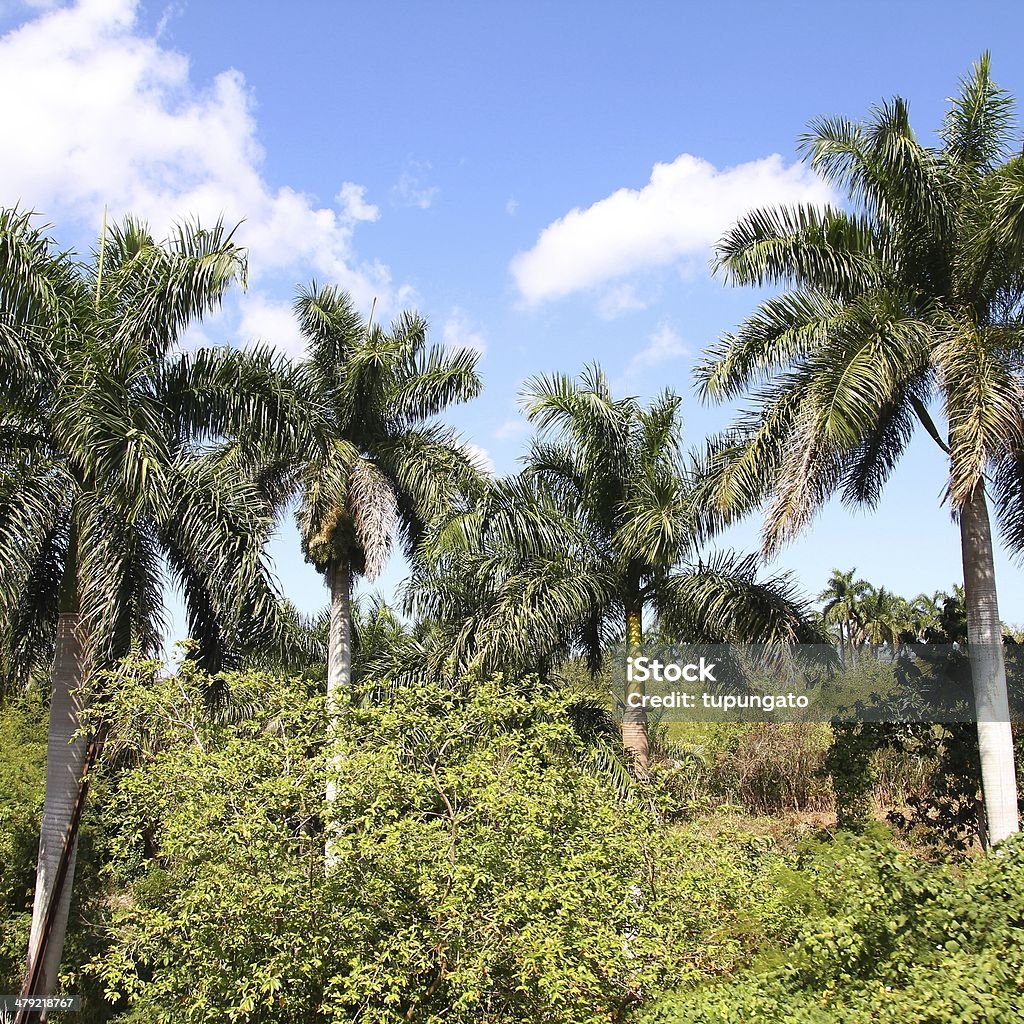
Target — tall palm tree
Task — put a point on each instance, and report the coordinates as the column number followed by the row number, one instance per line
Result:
column 598, row 530
column 385, row 467
column 109, row 479
column 912, row 297
column 842, row 596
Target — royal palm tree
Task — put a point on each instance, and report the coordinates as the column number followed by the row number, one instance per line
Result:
column 386, row 467
column 842, row 597
column 926, row 614
column 598, row 530
column 912, row 297
column 884, row 618
column 110, row 480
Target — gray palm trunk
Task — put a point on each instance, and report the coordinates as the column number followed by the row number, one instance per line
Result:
column 65, row 764
column 339, row 675
column 985, row 640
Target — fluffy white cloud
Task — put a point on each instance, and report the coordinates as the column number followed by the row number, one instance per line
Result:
column 662, row 346
column 459, row 332
column 354, row 206
column 105, row 114
column 679, row 213
column 274, row 323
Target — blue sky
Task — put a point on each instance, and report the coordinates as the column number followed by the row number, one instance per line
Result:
column 543, row 181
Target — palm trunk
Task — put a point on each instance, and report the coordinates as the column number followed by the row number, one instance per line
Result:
column 634, row 719
column 985, row 640
column 65, row 765
column 339, row 674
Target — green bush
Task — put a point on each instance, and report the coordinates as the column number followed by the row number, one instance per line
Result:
column 481, row 868
column 22, row 777
column 895, row 940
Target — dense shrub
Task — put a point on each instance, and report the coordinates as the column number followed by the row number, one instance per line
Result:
column 894, row 940
column 22, row 772
column 481, row 868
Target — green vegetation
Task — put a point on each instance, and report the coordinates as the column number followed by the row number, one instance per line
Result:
column 430, row 812
column 888, row 939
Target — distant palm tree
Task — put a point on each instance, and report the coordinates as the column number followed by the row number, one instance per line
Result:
column 383, row 467
column 110, row 479
column 926, row 614
column 914, row 296
column 599, row 529
column 884, row 618
column 842, row 597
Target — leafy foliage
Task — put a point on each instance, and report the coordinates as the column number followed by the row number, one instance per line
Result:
column 602, row 524
column 893, row 939
column 110, row 475
column 484, row 872
column 384, row 466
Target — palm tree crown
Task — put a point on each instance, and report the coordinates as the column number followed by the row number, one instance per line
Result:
column 385, row 467
column 110, row 470
column 914, row 295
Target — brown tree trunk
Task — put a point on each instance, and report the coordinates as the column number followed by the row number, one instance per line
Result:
column 988, row 669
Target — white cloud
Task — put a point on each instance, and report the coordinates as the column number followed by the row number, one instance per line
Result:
column 270, row 322
column 411, row 190
column 618, row 300
column 511, row 206
column 512, row 427
column 681, row 212
column 459, row 332
column 352, row 199
column 106, row 114
column 662, row 346
column 481, row 458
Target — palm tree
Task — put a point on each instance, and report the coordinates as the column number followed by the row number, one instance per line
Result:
column 926, row 614
column 109, row 479
column 599, row 529
column 914, row 296
column 842, row 597
column 885, row 618
column 385, row 467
